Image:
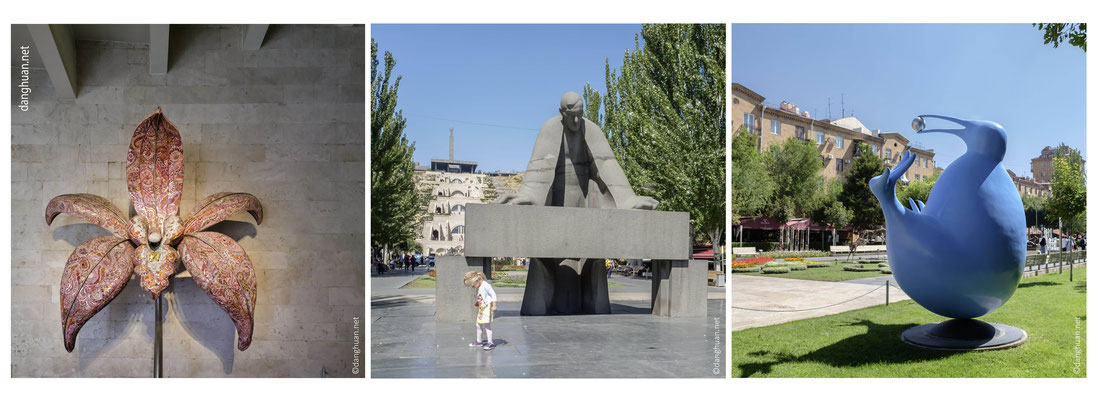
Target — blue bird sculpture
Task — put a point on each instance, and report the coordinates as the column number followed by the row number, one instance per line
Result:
column 962, row 254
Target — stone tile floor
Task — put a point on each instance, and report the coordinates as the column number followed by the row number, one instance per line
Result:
column 406, row 342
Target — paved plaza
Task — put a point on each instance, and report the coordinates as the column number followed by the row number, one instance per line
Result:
column 781, row 295
column 406, row 342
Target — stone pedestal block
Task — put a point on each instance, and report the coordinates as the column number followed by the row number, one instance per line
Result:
column 453, row 300
column 495, row 230
column 679, row 288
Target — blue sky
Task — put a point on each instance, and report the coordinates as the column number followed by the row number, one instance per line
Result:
column 496, row 84
column 890, row 73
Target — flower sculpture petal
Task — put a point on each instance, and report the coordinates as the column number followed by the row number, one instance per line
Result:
column 154, row 176
column 219, row 206
column 154, row 169
column 94, row 209
column 96, row 272
column 222, row 269
column 99, row 268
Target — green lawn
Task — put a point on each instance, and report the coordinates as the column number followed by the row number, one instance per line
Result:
column 428, row 282
column 832, row 273
column 866, row 342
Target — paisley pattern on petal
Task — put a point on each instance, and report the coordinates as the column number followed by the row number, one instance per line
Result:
column 222, row 269
column 139, row 230
column 96, row 272
column 154, row 168
column 219, row 206
column 94, row 209
column 155, row 267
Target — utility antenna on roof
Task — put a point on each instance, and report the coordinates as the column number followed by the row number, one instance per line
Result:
column 829, row 108
column 843, row 109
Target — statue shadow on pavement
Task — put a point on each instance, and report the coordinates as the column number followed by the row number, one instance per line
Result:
column 879, row 345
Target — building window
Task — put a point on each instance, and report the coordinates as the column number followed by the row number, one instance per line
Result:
column 888, row 154
column 820, row 137
column 839, row 165
column 839, row 142
column 736, row 100
column 917, row 177
column 750, row 122
column 874, row 148
column 925, row 163
column 776, row 127
column 799, row 131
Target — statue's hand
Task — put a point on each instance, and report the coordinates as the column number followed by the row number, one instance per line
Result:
column 641, row 203
column 515, row 199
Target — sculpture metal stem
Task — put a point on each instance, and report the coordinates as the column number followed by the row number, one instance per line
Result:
column 158, row 341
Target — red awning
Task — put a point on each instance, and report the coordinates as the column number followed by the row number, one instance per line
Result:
column 704, row 253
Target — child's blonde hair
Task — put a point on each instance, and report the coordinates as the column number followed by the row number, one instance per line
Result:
column 472, row 278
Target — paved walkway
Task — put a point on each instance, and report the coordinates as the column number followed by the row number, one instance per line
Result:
column 767, row 293
column 406, row 342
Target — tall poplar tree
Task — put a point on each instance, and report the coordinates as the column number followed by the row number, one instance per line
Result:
column 664, row 116
column 394, row 201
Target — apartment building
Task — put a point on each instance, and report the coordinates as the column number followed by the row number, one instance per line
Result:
column 835, row 140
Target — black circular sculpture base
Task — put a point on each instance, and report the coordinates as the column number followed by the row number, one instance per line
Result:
column 964, row 334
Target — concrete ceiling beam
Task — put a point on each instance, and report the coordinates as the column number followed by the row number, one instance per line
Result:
column 57, row 48
column 158, row 49
column 253, row 36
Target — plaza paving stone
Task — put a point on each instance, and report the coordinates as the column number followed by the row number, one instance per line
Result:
column 779, row 295
column 406, row 342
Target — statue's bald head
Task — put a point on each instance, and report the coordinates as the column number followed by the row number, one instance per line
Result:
column 572, row 110
column 572, row 101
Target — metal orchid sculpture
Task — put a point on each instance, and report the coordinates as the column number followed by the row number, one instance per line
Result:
column 147, row 243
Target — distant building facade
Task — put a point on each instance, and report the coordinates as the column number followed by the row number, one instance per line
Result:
column 450, row 185
column 835, row 140
column 1041, row 167
column 1029, row 186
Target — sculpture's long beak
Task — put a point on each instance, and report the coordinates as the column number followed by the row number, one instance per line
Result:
column 919, row 124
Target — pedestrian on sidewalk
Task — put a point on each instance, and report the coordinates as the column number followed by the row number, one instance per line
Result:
column 1042, row 245
column 486, row 307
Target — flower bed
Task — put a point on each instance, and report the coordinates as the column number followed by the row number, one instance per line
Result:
column 858, row 268
column 886, row 270
column 740, row 263
column 775, row 270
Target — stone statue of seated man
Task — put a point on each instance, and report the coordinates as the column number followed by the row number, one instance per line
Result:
column 572, row 166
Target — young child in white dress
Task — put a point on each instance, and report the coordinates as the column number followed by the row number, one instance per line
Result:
column 486, row 306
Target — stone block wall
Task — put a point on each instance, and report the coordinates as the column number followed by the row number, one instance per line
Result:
column 285, row 123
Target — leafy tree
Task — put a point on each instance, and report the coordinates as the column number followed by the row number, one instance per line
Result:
column 831, row 211
column 749, row 184
column 394, row 200
column 919, row 189
column 1068, row 185
column 1036, row 212
column 1075, row 34
column 794, row 165
column 866, row 213
column 664, row 116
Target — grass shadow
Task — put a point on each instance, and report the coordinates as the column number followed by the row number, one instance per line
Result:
column 880, row 344
column 1039, row 283
column 1081, row 286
